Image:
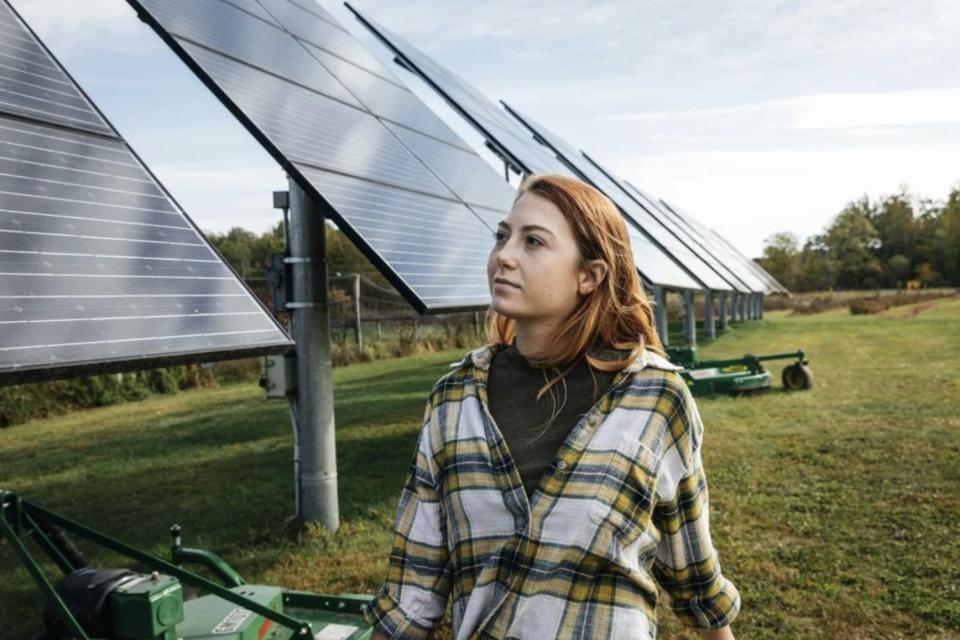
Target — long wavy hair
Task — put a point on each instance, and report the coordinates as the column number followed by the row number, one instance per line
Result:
column 615, row 316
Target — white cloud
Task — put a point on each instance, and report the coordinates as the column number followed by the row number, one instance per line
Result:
column 69, row 26
column 874, row 110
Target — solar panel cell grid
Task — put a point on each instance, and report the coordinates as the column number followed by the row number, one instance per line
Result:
column 34, row 86
column 99, row 270
column 397, row 180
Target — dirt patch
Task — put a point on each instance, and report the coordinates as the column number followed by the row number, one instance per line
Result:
column 913, row 311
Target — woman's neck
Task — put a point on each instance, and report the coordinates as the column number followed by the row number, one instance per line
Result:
column 534, row 338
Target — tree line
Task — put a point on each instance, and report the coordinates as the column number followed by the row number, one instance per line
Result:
column 249, row 253
column 895, row 241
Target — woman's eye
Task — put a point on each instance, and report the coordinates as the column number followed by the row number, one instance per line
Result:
column 499, row 236
column 534, row 241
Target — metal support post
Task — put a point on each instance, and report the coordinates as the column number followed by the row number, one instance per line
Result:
column 689, row 320
column 760, row 309
column 722, row 310
column 660, row 313
column 741, row 308
column 356, row 310
column 312, row 403
column 709, row 326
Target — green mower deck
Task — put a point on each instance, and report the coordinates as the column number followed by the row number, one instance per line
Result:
column 738, row 375
column 118, row 604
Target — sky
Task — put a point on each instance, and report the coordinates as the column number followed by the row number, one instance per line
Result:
column 755, row 116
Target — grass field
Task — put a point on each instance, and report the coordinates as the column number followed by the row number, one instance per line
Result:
column 836, row 511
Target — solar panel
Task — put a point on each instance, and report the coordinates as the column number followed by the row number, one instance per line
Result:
column 514, row 143
column 414, row 197
column 99, row 269
column 705, row 238
column 506, row 137
column 742, row 280
column 654, row 228
column 768, row 284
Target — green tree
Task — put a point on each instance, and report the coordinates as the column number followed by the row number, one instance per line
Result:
column 851, row 242
column 896, row 227
column 781, row 258
column 815, row 272
column 899, row 267
column 948, row 237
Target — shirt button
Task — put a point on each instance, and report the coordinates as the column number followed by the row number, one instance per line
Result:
column 562, row 465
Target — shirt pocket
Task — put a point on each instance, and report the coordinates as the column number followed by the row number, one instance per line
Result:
column 625, row 495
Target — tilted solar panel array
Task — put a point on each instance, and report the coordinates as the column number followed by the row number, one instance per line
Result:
column 770, row 284
column 653, row 227
column 99, row 269
column 706, row 239
column 742, row 279
column 416, row 199
column 513, row 142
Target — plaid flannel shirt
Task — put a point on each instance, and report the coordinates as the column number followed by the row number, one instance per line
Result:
column 622, row 508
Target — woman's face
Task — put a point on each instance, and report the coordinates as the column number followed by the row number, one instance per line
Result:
column 534, row 267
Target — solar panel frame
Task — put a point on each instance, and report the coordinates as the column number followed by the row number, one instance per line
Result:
column 471, row 207
column 512, row 142
column 26, row 140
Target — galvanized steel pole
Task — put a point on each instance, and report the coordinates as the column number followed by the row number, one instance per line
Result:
column 722, row 309
column 709, row 328
column 313, row 402
column 689, row 320
column 660, row 313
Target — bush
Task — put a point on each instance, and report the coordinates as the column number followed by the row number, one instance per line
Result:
column 867, row 306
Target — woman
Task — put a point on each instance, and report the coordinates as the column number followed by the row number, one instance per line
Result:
column 558, row 477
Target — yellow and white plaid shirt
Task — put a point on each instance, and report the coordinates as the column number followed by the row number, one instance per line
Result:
column 622, row 508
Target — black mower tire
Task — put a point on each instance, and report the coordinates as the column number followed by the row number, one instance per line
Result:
column 797, row 377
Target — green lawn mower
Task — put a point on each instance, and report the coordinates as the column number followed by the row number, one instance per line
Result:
column 122, row 604
column 739, row 375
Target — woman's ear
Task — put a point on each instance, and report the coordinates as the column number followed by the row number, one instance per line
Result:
column 592, row 274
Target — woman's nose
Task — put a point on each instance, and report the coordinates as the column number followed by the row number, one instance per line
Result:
column 505, row 257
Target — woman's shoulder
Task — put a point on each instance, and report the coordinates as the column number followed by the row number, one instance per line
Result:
column 464, row 369
column 653, row 372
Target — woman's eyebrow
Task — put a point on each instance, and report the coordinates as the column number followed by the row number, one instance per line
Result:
column 528, row 227
column 535, row 227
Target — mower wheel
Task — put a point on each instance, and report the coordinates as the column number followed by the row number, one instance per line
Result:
column 797, row 377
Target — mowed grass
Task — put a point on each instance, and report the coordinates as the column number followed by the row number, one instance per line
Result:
column 835, row 511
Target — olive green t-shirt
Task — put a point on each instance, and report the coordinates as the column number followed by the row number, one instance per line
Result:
column 523, row 420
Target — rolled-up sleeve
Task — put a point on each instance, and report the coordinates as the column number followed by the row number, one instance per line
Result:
column 414, row 595
column 686, row 564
